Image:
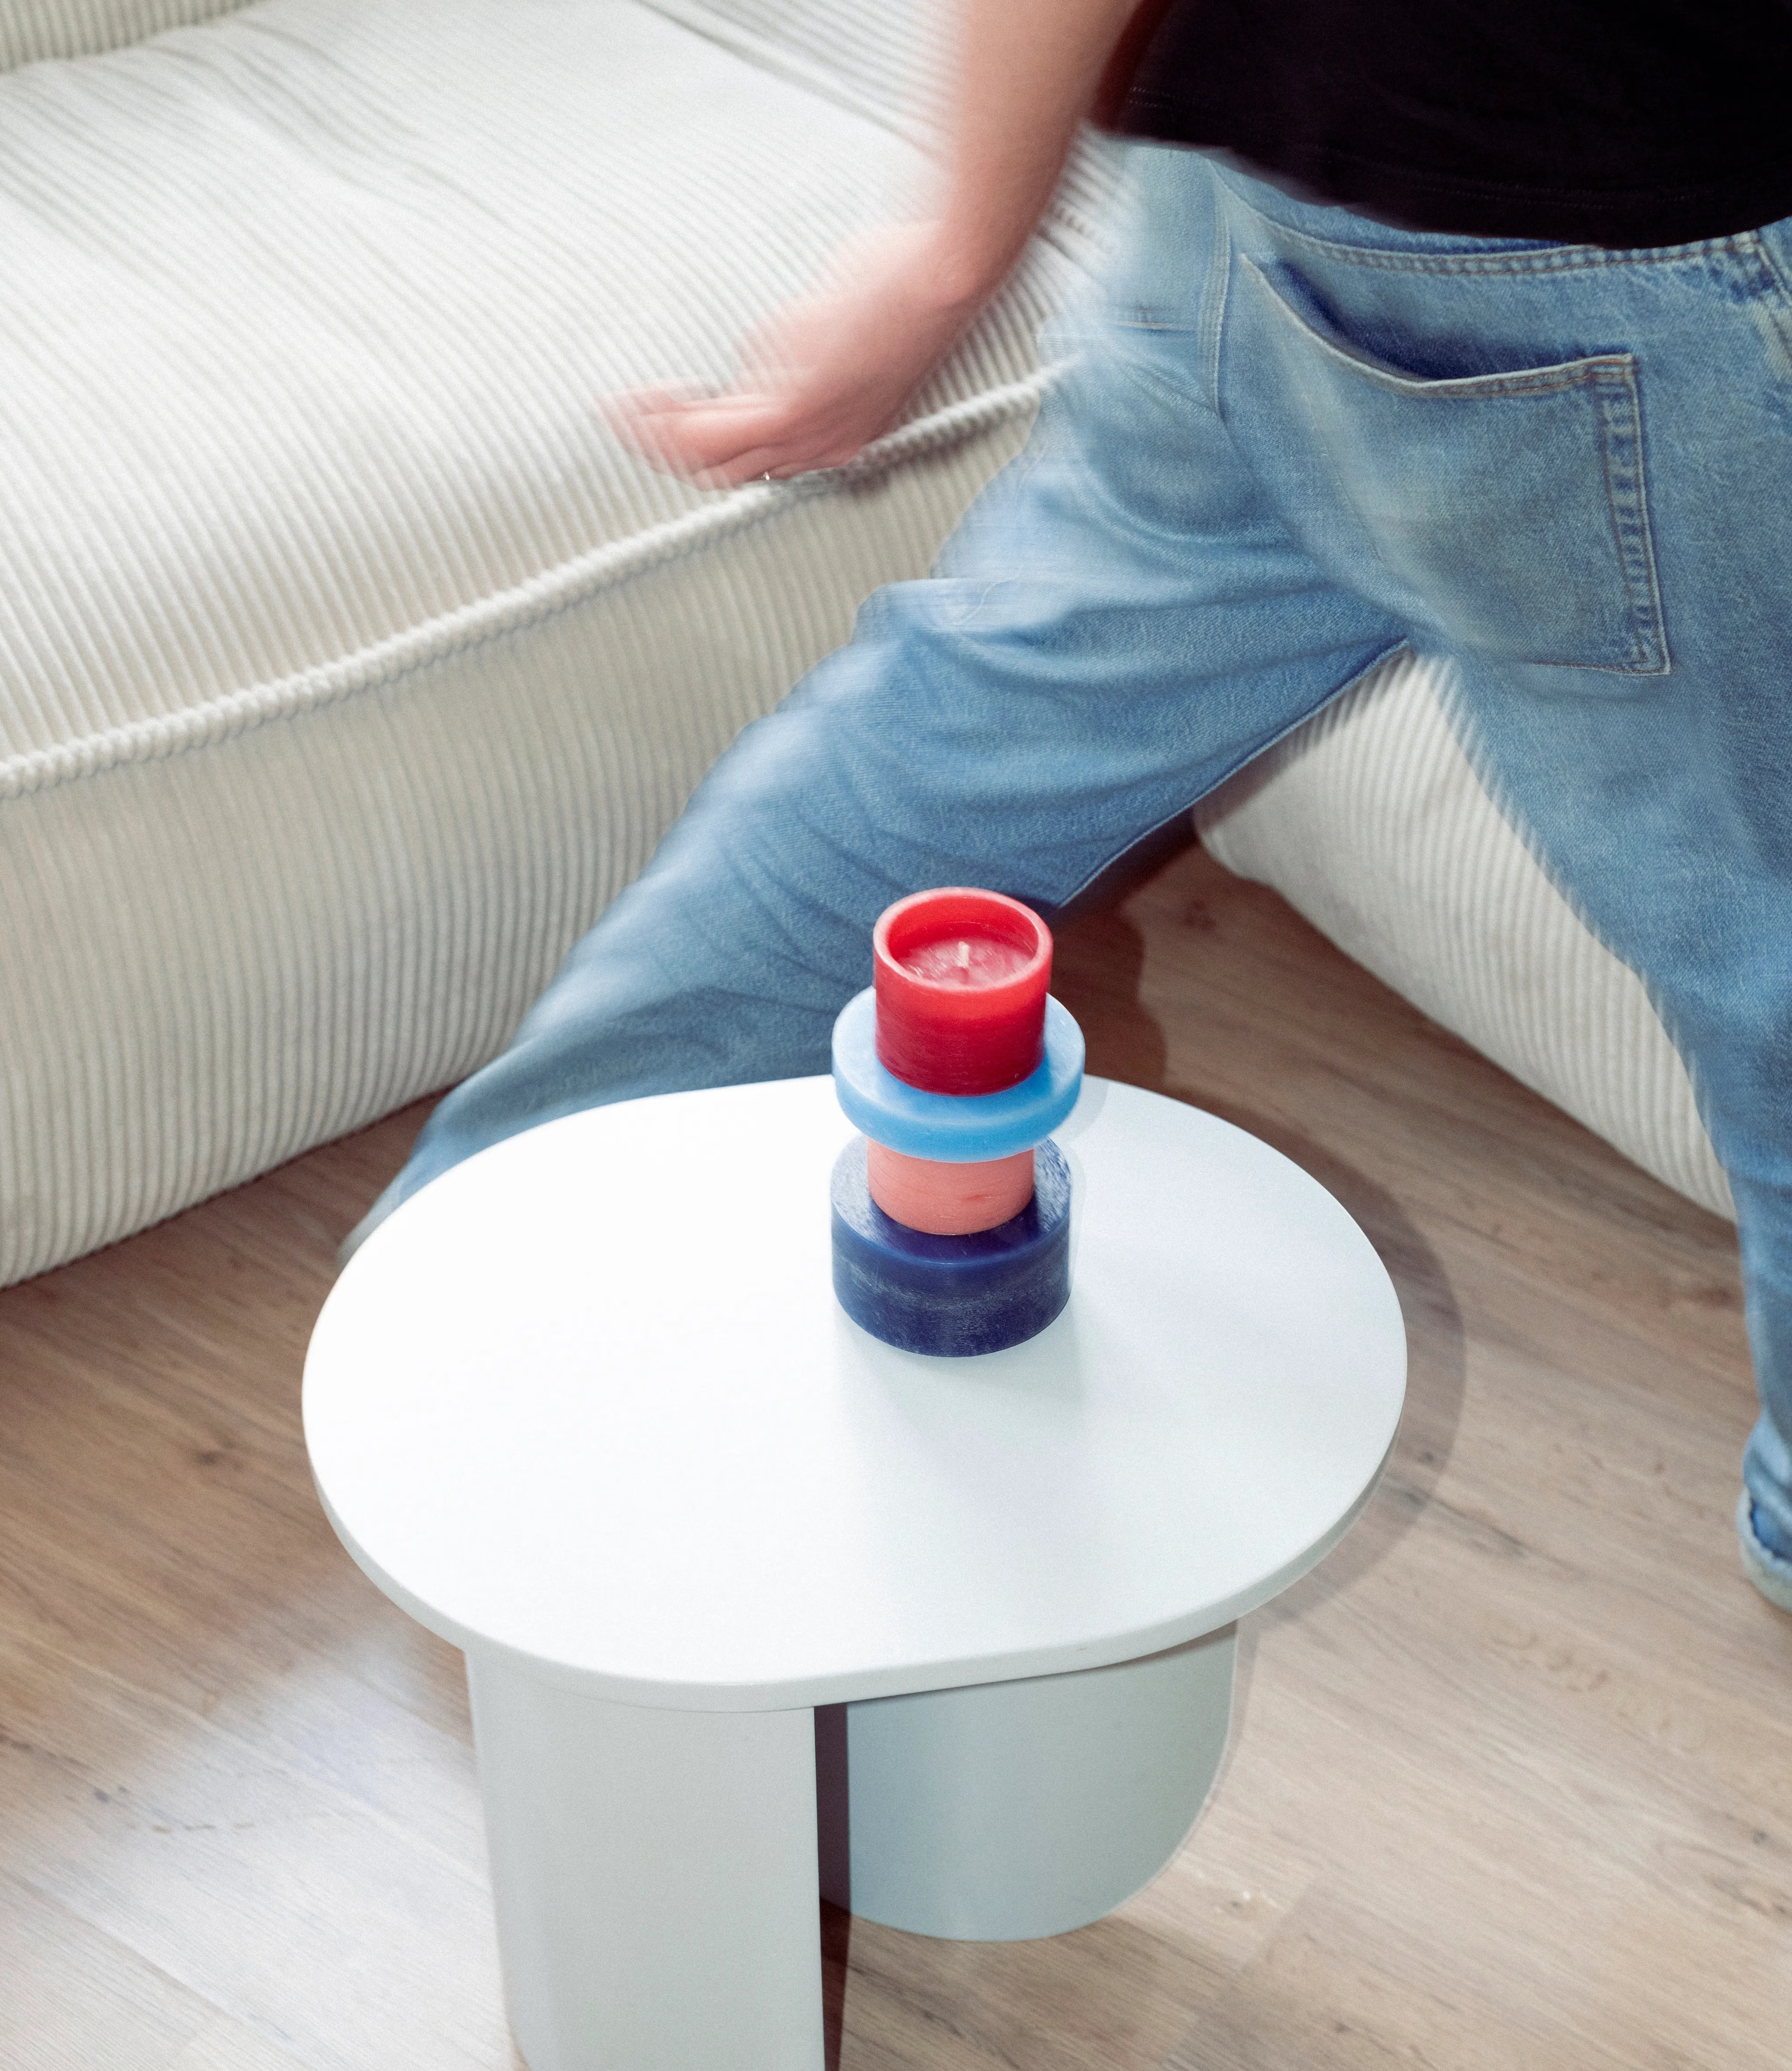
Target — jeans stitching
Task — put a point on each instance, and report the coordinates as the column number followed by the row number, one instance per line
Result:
column 1322, row 444
column 1559, row 259
column 1215, row 304
column 1617, row 400
column 1769, row 261
column 1532, row 380
column 1774, row 290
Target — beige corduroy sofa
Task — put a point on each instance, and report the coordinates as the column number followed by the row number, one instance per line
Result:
column 347, row 668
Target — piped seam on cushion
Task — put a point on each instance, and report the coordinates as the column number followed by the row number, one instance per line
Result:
column 525, row 603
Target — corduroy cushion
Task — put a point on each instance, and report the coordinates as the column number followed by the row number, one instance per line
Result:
column 33, row 29
column 347, row 668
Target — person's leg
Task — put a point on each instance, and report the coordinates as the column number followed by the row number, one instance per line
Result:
column 1118, row 625
column 1572, row 469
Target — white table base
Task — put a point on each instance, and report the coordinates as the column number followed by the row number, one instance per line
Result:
column 1005, row 1811
column 656, row 1874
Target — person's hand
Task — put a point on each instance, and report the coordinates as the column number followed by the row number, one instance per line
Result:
column 824, row 377
column 830, row 373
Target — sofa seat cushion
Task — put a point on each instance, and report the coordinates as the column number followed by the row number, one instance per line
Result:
column 31, row 30
column 347, row 665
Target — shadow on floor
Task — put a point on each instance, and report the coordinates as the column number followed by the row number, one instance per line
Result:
column 1099, row 968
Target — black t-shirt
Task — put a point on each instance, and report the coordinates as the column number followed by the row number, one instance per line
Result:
column 1620, row 122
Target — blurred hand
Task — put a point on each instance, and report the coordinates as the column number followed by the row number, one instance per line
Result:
column 823, row 377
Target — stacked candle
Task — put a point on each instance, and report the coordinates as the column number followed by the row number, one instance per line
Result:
column 951, row 1211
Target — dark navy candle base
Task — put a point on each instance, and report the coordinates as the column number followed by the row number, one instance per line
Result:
column 953, row 1297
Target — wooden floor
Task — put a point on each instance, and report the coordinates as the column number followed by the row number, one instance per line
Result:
column 1512, row 1781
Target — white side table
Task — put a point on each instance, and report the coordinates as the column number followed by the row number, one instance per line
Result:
column 588, row 1408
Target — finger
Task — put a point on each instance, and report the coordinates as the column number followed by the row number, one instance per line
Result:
column 661, row 440
column 723, row 441
column 646, row 419
column 781, row 462
column 759, row 463
column 811, row 445
column 710, row 440
column 626, row 407
column 648, row 396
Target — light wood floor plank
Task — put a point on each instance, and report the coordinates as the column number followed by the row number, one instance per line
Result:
column 71, row 1999
column 228, row 2045
column 266, row 1894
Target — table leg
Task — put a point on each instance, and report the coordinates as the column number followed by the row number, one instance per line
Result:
column 1005, row 1810
column 654, row 1874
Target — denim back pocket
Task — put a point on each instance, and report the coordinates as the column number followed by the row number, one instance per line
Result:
column 1509, row 508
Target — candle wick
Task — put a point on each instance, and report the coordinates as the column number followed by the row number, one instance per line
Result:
column 964, row 956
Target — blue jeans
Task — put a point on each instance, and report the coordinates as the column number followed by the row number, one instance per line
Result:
column 1291, row 441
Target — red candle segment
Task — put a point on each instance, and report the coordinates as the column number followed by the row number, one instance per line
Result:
column 948, row 1200
column 961, row 979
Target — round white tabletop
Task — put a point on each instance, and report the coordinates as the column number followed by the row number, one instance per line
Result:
column 588, row 1405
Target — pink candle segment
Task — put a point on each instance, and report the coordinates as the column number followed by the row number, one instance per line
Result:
column 961, row 978
column 948, row 1200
